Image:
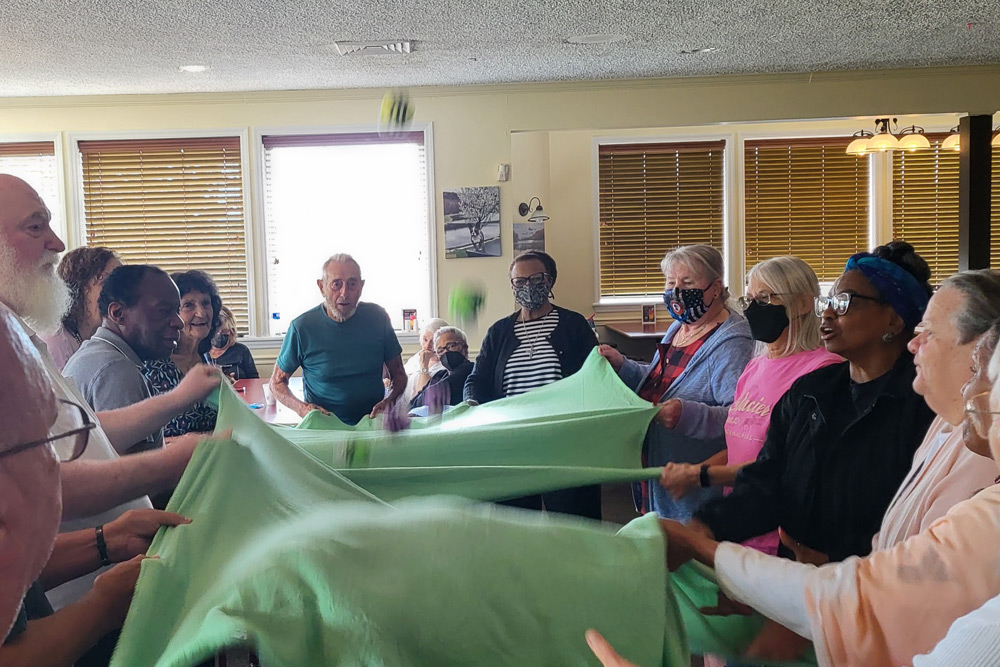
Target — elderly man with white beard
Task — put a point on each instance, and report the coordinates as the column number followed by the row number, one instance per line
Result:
column 101, row 486
column 38, row 432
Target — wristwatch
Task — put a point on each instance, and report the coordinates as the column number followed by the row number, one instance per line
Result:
column 703, row 479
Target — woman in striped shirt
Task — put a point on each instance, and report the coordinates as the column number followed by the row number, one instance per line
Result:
column 534, row 346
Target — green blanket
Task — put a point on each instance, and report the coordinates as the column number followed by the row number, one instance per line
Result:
column 585, row 429
column 306, row 562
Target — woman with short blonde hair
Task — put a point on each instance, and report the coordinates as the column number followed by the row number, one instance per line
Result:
column 779, row 309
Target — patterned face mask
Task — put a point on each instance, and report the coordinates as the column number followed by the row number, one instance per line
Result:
column 531, row 296
column 686, row 305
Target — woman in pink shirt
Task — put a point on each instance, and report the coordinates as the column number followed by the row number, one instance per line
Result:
column 779, row 309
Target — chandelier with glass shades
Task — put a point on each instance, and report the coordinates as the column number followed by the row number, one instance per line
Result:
column 888, row 137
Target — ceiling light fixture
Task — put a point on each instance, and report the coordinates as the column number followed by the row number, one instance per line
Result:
column 595, row 38
column 954, row 141
column 704, row 49
column 883, row 139
column 859, row 146
column 194, row 69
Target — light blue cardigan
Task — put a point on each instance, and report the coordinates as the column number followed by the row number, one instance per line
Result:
column 705, row 389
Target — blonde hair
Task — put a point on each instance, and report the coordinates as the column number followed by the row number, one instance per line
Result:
column 793, row 279
column 226, row 318
column 704, row 260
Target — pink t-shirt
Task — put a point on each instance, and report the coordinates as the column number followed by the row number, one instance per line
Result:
column 762, row 384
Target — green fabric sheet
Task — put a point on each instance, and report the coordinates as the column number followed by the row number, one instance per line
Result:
column 694, row 587
column 294, row 549
column 585, row 429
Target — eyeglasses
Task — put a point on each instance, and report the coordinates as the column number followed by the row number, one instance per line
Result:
column 980, row 404
column 72, row 426
column 534, row 279
column 839, row 303
column 763, row 298
column 453, row 346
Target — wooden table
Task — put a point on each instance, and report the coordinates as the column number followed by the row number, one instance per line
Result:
column 252, row 391
column 638, row 329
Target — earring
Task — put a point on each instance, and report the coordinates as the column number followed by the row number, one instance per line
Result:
column 888, row 337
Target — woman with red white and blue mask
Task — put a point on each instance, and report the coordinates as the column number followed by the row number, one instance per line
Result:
column 693, row 374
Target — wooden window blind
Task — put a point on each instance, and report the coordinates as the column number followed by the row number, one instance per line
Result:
column 654, row 197
column 925, row 205
column 27, row 149
column 175, row 203
column 805, row 197
column 995, row 210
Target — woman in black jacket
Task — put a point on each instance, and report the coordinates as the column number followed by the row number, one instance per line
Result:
column 535, row 346
column 842, row 439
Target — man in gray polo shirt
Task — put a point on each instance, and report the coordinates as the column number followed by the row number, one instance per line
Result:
column 140, row 304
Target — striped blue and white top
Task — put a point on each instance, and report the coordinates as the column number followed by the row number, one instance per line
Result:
column 534, row 363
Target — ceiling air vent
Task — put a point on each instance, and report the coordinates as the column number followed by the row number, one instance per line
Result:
column 373, row 48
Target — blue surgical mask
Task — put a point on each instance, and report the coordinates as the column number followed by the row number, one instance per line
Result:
column 686, row 305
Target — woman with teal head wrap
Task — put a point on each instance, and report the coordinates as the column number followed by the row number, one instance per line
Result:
column 842, row 438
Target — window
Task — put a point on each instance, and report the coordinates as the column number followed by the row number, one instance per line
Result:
column 805, row 197
column 360, row 194
column 925, row 205
column 995, row 210
column 654, row 197
column 175, row 203
column 35, row 163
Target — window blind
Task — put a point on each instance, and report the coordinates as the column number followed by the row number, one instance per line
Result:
column 652, row 198
column 925, row 205
column 805, row 197
column 995, row 211
column 175, row 203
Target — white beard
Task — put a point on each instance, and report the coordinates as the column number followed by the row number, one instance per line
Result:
column 338, row 316
column 36, row 294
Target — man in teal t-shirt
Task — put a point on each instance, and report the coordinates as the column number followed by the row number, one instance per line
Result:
column 341, row 346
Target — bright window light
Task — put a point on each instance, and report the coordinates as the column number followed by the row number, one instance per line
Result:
column 41, row 173
column 367, row 200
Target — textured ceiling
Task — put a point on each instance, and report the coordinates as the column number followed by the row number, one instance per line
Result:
column 79, row 47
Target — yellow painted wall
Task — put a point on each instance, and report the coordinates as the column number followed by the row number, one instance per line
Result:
column 544, row 131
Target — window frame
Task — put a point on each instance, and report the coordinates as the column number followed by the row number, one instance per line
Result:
column 260, row 307
column 77, row 214
column 621, row 302
column 880, row 185
column 62, row 228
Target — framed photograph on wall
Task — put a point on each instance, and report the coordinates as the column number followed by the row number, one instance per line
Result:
column 472, row 222
column 529, row 236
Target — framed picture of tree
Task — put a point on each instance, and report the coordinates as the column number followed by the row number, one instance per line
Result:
column 472, row 222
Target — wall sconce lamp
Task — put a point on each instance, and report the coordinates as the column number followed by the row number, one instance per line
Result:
column 536, row 214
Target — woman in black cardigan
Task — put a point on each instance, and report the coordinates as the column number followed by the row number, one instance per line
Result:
column 535, row 346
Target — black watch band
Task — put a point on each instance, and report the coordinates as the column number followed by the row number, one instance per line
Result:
column 102, row 546
column 703, row 479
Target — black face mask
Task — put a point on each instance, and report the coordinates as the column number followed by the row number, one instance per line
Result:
column 767, row 322
column 452, row 360
column 220, row 340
